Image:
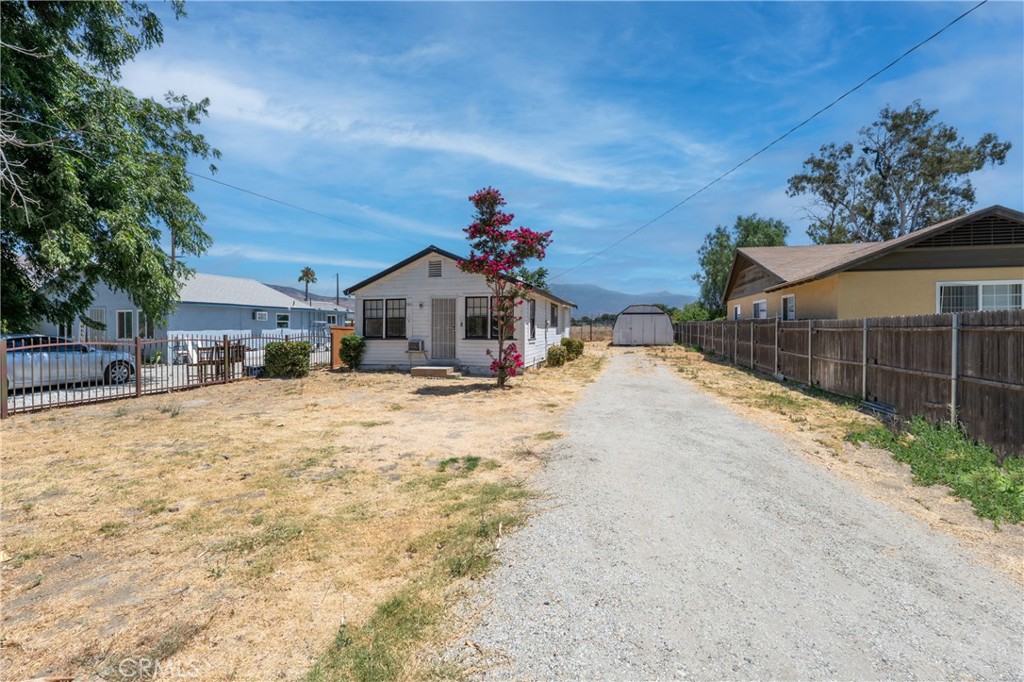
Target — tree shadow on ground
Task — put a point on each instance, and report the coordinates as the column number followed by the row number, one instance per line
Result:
column 455, row 389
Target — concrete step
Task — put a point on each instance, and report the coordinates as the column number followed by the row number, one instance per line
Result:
column 435, row 372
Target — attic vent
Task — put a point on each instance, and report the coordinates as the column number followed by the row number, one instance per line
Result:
column 434, row 268
column 988, row 231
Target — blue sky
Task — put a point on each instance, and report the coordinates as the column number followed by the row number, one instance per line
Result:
column 591, row 118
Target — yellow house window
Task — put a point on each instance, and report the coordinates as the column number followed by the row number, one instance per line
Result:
column 957, row 297
column 760, row 309
column 789, row 307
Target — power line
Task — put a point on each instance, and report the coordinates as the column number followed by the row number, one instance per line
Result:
column 770, row 144
column 237, row 188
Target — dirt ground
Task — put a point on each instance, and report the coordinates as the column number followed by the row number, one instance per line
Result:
column 817, row 427
column 228, row 532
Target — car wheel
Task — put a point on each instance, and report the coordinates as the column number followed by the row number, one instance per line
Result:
column 118, row 373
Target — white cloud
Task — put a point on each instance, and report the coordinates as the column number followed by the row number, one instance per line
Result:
column 255, row 253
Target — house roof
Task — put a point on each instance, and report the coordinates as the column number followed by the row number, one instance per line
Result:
column 640, row 309
column 440, row 252
column 221, row 290
column 801, row 264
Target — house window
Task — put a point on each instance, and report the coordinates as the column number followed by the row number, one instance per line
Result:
column 533, row 319
column 789, row 307
column 99, row 317
column 395, row 327
column 956, row 297
column 147, row 329
column 760, row 309
column 553, row 319
column 477, row 317
column 332, row 319
column 434, row 268
column 66, row 330
column 373, row 319
column 283, row 320
column 557, row 320
column 737, row 312
column 125, row 324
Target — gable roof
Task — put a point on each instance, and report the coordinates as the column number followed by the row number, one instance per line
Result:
column 440, row 252
column 203, row 288
column 801, row 264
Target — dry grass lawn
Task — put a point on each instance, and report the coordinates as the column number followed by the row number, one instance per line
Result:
column 263, row 529
column 817, row 427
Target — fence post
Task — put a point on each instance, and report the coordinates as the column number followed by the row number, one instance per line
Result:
column 138, row 368
column 864, row 362
column 751, row 344
column 3, row 380
column 736, row 343
column 954, row 369
column 810, row 352
column 227, row 358
column 777, row 323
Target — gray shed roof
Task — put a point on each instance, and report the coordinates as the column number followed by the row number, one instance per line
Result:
column 639, row 309
column 241, row 291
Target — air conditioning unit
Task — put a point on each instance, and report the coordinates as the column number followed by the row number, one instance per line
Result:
column 415, row 345
column 259, row 315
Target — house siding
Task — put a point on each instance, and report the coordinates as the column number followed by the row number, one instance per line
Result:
column 814, row 300
column 412, row 284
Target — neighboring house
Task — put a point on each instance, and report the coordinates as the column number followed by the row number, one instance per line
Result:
column 206, row 303
column 643, row 325
column 425, row 311
column 973, row 262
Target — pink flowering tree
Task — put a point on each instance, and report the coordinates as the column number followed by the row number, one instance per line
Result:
column 499, row 253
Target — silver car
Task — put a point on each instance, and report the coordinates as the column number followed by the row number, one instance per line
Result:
column 35, row 360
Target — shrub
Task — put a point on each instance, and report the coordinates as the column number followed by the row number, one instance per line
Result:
column 573, row 348
column 351, row 351
column 287, row 358
column 556, row 356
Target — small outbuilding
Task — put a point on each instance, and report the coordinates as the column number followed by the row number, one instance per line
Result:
column 643, row 325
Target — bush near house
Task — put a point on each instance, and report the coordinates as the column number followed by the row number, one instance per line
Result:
column 556, row 356
column 351, row 351
column 287, row 359
column 573, row 348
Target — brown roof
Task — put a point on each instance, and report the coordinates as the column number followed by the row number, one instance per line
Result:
column 800, row 264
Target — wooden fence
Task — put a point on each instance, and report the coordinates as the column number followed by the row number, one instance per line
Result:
column 967, row 368
column 591, row 332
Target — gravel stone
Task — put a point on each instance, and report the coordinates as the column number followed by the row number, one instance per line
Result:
column 681, row 541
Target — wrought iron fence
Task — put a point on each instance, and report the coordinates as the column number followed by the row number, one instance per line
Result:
column 40, row 372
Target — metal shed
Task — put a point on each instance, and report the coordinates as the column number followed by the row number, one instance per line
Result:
column 642, row 325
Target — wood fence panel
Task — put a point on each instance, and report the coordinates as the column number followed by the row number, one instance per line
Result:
column 908, row 364
column 793, row 350
column 764, row 346
column 837, row 363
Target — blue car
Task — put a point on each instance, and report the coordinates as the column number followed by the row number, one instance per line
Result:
column 37, row 361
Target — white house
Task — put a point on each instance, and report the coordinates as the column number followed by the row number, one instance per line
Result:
column 425, row 311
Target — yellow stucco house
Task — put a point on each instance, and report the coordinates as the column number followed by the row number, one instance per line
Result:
column 973, row 262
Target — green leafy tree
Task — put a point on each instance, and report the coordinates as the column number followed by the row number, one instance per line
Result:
column 693, row 312
column 307, row 276
column 716, row 255
column 92, row 178
column 906, row 171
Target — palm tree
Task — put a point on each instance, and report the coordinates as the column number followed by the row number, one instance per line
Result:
column 309, row 277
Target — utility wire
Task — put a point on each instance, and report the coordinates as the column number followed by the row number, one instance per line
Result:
column 770, row 144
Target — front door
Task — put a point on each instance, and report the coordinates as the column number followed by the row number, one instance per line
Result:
column 442, row 329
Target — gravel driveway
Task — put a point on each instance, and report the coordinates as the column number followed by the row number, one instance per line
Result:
column 681, row 541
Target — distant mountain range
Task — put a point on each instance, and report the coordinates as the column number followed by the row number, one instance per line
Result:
column 594, row 300
column 300, row 295
column 591, row 299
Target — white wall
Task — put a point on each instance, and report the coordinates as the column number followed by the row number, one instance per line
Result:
column 412, row 284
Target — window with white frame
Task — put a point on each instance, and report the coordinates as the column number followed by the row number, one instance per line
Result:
column 99, row 317
column 384, row 318
column 957, row 297
column 283, row 320
column 737, row 312
column 331, row 319
column 125, row 324
column 533, row 319
column 478, row 310
column 147, row 329
column 760, row 309
column 66, row 330
column 789, row 307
